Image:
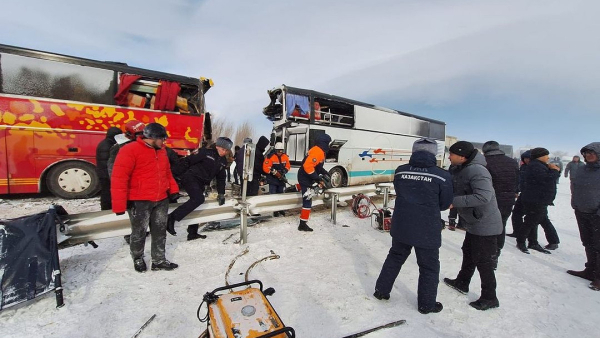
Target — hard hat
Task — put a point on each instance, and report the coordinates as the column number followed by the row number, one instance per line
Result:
column 278, row 146
column 132, row 128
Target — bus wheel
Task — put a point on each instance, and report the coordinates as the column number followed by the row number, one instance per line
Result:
column 338, row 177
column 73, row 180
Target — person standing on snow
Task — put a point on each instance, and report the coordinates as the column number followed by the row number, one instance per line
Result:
column 204, row 166
column 423, row 191
column 141, row 183
column 476, row 203
column 312, row 171
column 505, row 179
column 572, row 167
column 585, row 200
column 259, row 159
column 539, row 192
column 275, row 166
column 102, row 155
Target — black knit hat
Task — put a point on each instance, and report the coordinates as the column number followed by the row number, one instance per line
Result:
column 539, row 152
column 462, row 148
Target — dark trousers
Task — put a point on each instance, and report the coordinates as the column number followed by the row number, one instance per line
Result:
column 429, row 272
column 275, row 189
column 228, row 174
column 105, row 200
column 589, row 232
column 236, row 176
column 536, row 214
column 195, row 190
column 517, row 223
column 143, row 214
column 479, row 252
column 505, row 211
column 253, row 186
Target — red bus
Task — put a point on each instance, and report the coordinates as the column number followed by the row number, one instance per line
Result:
column 55, row 109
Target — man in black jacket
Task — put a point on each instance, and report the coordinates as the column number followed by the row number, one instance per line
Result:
column 423, row 190
column 204, row 166
column 538, row 193
column 505, row 179
column 102, row 155
column 585, row 200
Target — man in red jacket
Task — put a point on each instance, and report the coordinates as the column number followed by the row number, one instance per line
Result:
column 141, row 183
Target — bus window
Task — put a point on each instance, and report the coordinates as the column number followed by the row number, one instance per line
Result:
column 296, row 148
column 26, row 76
column 330, row 112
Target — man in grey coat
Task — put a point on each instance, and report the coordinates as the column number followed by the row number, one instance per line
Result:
column 475, row 200
column 585, row 200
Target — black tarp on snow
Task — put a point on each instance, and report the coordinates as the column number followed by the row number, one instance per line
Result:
column 28, row 258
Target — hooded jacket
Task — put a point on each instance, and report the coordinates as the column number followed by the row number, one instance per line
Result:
column 540, row 183
column 423, row 190
column 586, row 184
column 103, row 151
column 474, row 197
column 259, row 156
column 505, row 176
column 312, row 164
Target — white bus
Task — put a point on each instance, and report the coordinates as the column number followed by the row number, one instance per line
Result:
column 368, row 142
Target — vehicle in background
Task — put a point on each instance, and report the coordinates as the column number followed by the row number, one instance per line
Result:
column 368, row 142
column 55, row 109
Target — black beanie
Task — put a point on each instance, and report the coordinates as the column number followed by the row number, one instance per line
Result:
column 462, row 148
column 539, row 152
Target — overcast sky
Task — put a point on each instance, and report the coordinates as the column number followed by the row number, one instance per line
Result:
column 525, row 73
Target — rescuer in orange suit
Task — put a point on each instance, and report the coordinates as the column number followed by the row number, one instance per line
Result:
column 276, row 165
column 311, row 172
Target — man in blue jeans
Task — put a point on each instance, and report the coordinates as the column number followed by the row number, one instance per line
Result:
column 423, row 191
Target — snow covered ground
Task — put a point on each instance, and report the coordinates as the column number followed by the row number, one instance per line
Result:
column 324, row 283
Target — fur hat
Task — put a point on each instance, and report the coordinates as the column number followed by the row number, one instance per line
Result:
column 538, row 152
column 224, row 143
column 425, row 144
column 526, row 154
column 462, row 148
column 489, row 146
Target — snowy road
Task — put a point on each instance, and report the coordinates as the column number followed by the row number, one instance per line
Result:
column 324, row 282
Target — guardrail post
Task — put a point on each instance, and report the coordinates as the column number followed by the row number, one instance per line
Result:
column 334, row 201
column 386, row 196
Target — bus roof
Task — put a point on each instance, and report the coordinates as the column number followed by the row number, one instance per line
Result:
column 115, row 66
column 309, row 92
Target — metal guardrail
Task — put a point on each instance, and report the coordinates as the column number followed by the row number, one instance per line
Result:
column 90, row 226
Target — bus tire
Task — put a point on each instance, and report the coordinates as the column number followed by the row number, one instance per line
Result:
column 73, row 179
column 338, row 177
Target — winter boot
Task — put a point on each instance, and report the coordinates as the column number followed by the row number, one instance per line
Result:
column 171, row 225
column 437, row 308
column 522, row 247
column 485, row 304
column 595, row 285
column 139, row 265
column 585, row 274
column 551, row 247
column 164, row 265
column 304, row 227
column 194, row 235
column 381, row 296
column 538, row 247
column 456, row 285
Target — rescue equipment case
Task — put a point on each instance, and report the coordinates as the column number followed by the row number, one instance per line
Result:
column 243, row 313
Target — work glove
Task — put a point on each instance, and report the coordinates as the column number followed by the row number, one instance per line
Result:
column 221, row 199
column 120, row 213
column 173, row 197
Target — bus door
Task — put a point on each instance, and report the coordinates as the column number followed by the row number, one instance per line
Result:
column 3, row 163
column 20, row 151
column 296, row 143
